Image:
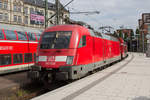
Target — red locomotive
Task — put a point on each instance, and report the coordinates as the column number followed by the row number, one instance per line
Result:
column 68, row 52
column 17, row 49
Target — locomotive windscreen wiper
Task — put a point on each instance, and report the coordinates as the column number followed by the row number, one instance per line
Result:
column 54, row 40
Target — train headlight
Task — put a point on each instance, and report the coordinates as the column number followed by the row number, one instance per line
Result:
column 69, row 60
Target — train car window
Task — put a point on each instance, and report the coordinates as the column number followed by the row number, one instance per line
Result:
column 31, row 36
column 34, row 57
column 5, row 59
column 17, row 58
column 82, row 42
column 21, row 36
column 56, row 40
column 28, row 57
column 1, row 35
column 10, row 35
column 38, row 36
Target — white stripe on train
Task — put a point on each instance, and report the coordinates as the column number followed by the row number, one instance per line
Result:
column 15, row 68
column 9, row 41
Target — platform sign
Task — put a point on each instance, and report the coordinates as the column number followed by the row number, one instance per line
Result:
column 146, row 17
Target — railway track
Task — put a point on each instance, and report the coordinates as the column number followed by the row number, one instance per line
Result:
column 16, row 86
column 21, row 88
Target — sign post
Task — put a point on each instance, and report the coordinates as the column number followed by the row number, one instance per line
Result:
column 148, row 45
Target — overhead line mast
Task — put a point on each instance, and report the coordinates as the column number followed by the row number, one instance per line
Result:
column 59, row 9
column 46, row 8
column 57, row 3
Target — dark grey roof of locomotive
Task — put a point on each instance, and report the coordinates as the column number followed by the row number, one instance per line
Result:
column 108, row 37
column 102, row 35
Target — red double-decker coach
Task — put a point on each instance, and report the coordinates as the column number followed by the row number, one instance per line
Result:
column 18, row 48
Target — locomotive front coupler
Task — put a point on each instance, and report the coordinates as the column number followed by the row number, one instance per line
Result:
column 34, row 72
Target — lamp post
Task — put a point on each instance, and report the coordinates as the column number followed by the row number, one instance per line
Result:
column 46, row 8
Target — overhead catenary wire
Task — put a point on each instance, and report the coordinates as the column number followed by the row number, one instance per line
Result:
column 89, row 16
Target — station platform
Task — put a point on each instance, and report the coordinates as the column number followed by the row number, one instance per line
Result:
column 126, row 80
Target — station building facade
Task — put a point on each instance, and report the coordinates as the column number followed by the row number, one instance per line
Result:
column 144, row 28
column 28, row 13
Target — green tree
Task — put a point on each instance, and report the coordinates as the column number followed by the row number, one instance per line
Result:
column 137, row 31
column 125, row 37
column 132, row 33
column 120, row 34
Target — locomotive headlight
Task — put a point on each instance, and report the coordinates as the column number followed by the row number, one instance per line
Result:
column 69, row 60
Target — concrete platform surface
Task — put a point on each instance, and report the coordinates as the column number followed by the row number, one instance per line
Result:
column 126, row 80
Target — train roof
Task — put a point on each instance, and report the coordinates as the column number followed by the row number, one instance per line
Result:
column 69, row 28
column 20, row 28
column 103, row 35
column 84, row 30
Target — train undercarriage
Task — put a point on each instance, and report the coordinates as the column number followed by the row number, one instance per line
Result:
column 66, row 73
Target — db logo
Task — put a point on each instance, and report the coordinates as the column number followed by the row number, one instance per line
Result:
column 51, row 60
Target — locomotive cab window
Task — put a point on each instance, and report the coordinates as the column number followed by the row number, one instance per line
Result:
column 56, row 40
column 82, row 42
column 1, row 35
column 5, row 59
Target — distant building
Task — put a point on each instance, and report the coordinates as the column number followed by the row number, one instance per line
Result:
column 144, row 27
column 144, row 23
column 28, row 13
column 125, row 32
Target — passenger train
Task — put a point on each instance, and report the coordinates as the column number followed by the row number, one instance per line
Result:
column 18, row 46
column 68, row 52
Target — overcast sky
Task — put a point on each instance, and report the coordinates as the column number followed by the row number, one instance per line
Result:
column 114, row 13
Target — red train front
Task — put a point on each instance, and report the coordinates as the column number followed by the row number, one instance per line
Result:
column 71, row 51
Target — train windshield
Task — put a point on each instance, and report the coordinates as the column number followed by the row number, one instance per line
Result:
column 56, row 40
